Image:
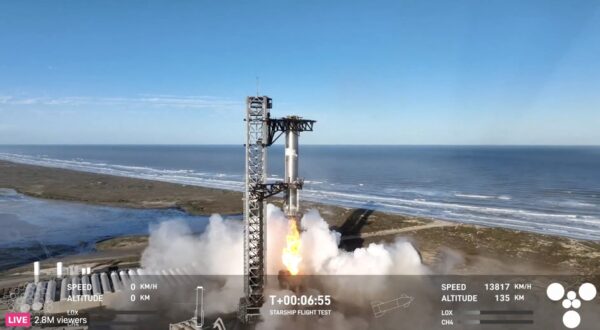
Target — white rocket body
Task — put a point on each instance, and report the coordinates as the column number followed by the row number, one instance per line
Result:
column 292, row 199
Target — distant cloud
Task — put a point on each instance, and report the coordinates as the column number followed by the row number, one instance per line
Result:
column 159, row 101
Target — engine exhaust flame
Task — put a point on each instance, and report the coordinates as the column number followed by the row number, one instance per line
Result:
column 291, row 256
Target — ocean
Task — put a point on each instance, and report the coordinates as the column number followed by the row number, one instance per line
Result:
column 550, row 190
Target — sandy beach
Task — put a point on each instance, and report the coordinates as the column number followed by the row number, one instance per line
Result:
column 445, row 247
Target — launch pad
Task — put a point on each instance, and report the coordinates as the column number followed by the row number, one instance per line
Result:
column 261, row 132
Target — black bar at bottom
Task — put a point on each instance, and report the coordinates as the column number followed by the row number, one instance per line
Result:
column 141, row 312
column 515, row 312
column 505, row 321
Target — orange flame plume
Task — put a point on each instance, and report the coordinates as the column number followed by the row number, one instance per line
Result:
column 291, row 253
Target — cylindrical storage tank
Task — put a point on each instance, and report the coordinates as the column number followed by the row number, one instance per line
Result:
column 51, row 291
column 36, row 271
column 96, row 284
column 116, row 282
column 132, row 275
column 39, row 296
column 37, row 306
column 75, row 281
column 27, row 298
column 140, row 275
column 185, row 273
column 124, row 279
column 180, row 275
column 105, row 283
column 59, row 269
column 175, row 276
column 166, row 277
column 64, row 294
column 85, row 280
column 25, row 307
column 29, row 291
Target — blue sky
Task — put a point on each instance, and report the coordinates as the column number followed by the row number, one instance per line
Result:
column 370, row 72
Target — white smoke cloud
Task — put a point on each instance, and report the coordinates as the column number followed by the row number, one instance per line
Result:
column 219, row 251
column 322, row 256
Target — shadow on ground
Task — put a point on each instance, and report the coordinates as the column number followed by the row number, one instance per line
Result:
column 352, row 227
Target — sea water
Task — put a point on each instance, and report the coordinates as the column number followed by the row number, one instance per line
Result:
column 552, row 190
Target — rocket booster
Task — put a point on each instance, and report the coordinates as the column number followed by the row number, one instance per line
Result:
column 292, row 200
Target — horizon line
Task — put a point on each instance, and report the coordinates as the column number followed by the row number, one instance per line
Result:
column 304, row 144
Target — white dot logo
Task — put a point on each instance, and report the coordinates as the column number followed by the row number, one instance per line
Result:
column 587, row 291
column 571, row 319
column 556, row 292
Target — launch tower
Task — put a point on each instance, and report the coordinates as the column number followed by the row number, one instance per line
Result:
column 261, row 132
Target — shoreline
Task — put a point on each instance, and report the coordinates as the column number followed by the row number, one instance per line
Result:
column 445, row 247
column 474, row 208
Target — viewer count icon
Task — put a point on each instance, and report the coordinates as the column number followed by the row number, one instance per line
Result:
column 556, row 292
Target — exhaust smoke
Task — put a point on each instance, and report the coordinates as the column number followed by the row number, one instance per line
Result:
column 314, row 251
